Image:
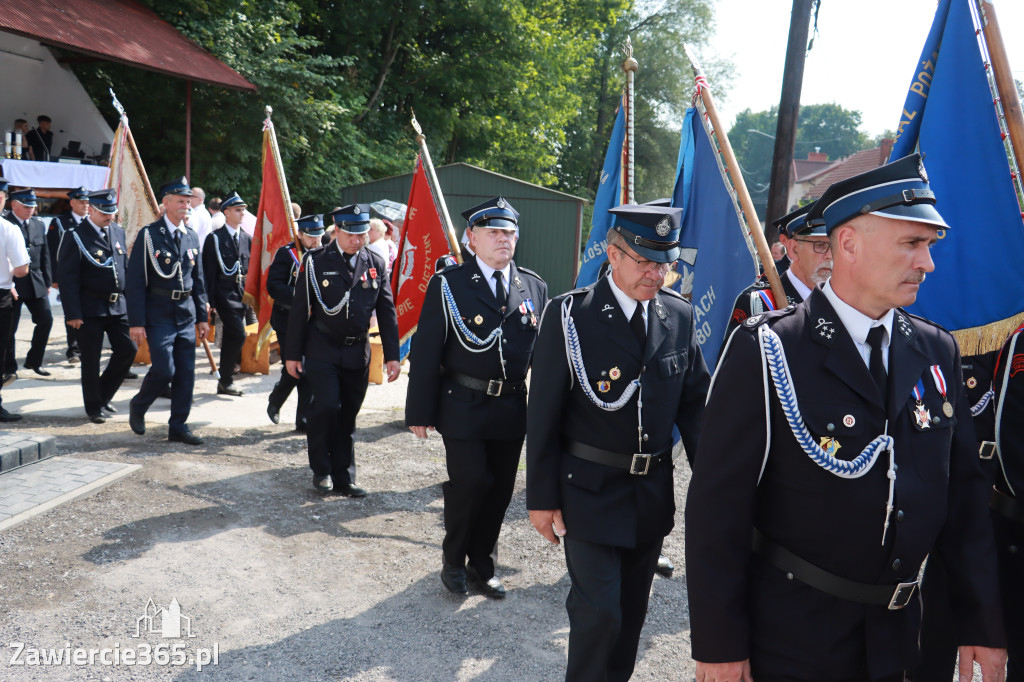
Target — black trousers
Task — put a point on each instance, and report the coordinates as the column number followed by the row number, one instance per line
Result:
column 6, row 320
column 97, row 389
column 337, row 396
column 73, row 348
column 231, row 344
column 283, row 388
column 607, row 606
column 42, row 318
column 481, row 477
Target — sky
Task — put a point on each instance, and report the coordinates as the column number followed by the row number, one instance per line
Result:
column 863, row 57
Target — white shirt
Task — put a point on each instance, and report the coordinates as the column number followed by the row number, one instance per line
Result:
column 181, row 228
column 858, row 325
column 801, row 288
column 488, row 273
column 218, row 221
column 627, row 304
column 13, row 253
column 77, row 218
column 99, row 230
column 380, row 248
column 201, row 221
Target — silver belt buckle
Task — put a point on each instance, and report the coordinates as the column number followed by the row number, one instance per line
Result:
column 901, row 595
column 176, row 295
column 640, row 457
column 494, row 387
column 113, row 298
column 987, row 449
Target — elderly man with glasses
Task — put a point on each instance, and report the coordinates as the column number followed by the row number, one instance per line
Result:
column 810, row 267
column 616, row 366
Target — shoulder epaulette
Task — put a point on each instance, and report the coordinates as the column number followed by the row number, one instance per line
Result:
column 755, row 321
column 673, row 292
column 449, row 268
column 529, row 272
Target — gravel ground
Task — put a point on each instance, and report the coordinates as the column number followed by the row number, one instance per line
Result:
column 286, row 584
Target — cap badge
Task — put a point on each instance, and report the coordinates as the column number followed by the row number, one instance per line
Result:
column 501, row 203
column 663, row 227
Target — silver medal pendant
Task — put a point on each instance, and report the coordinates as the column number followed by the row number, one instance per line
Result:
column 365, row 285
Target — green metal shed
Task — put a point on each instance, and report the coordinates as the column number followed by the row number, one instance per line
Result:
column 549, row 221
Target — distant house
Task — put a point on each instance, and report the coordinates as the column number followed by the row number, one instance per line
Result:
column 813, row 184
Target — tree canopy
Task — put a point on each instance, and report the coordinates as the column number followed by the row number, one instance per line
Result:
column 527, row 88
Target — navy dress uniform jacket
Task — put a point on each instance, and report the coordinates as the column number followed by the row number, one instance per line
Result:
column 749, row 301
column 281, row 277
column 740, row 606
column 457, row 411
column 36, row 284
column 58, row 226
column 84, row 283
column 306, row 339
column 603, row 504
column 225, row 291
column 146, row 307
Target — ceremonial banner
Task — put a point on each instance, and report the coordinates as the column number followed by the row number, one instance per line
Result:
column 136, row 203
column 421, row 243
column 611, row 192
column 275, row 227
column 977, row 289
column 724, row 264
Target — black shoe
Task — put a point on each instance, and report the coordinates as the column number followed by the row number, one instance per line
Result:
column 131, row 375
column 274, row 412
column 6, row 416
column 38, row 370
column 323, row 483
column 97, row 418
column 186, row 437
column 166, row 393
column 491, row 587
column 665, row 566
column 301, row 426
column 350, row 490
column 136, row 421
column 454, row 578
column 227, row 390
column 109, row 408
column 10, row 378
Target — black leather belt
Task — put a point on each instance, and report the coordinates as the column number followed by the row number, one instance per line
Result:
column 492, row 387
column 987, row 449
column 173, row 294
column 893, row 597
column 1007, row 506
column 283, row 306
column 638, row 464
column 108, row 297
column 333, row 335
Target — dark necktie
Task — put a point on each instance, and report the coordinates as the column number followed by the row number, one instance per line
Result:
column 875, row 364
column 637, row 324
column 177, row 239
column 236, row 243
column 499, row 289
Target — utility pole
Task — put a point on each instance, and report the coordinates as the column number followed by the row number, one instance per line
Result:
column 789, row 114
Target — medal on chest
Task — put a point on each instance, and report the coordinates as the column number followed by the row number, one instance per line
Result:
column 366, row 285
column 940, row 384
column 922, row 416
column 373, row 277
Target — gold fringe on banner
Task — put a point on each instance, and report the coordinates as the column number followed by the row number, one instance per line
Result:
column 988, row 337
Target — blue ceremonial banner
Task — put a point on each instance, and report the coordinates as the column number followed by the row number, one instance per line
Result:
column 977, row 288
column 609, row 195
column 723, row 265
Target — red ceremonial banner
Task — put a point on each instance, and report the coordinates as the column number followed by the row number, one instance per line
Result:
column 275, row 227
column 422, row 242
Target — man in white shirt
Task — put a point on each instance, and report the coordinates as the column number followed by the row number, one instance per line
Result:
column 200, row 219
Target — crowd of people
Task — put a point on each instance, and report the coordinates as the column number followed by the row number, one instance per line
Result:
column 802, row 563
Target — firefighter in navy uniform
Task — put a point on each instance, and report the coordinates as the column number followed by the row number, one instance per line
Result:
column 167, row 307
column 339, row 289
column 92, row 264
column 809, row 267
column 225, row 264
column 837, row 453
column 79, row 200
column 34, row 288
column 281, row 277
column 467, row 379
column 1007, row 498
column 617, row 366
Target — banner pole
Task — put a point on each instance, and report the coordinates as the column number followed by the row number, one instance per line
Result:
column 453, row 241
column 630, row 66
column 753, row 224
column 1003, row 76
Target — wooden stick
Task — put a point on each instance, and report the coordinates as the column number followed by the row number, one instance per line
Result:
column 1004, row 79
column 733, row 167
column 209, row 356
column 428, row 165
